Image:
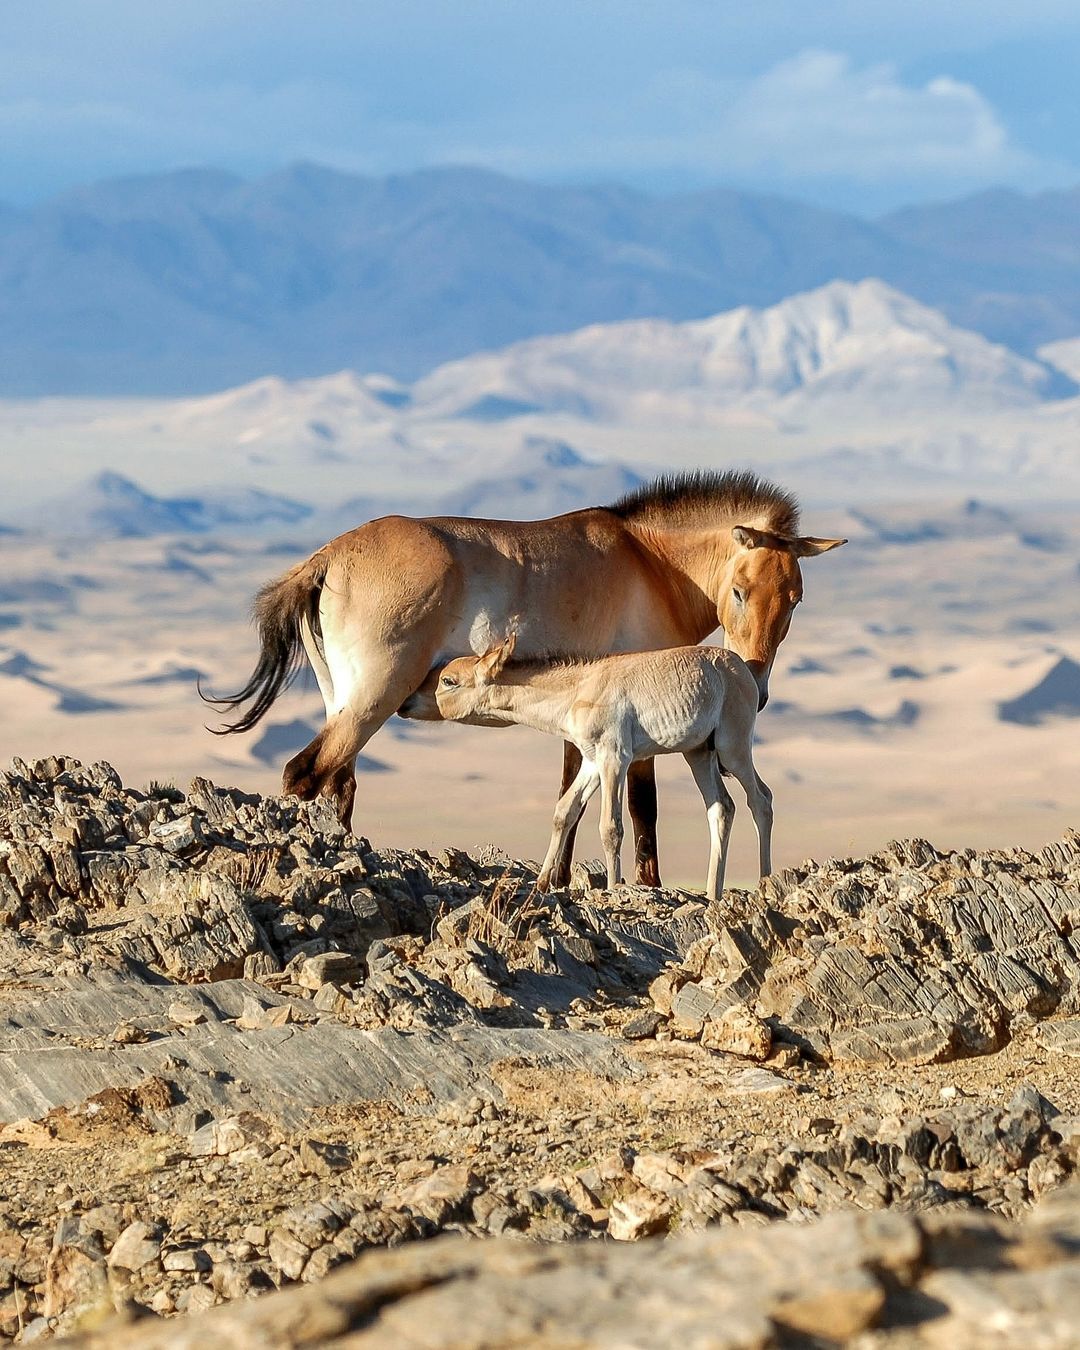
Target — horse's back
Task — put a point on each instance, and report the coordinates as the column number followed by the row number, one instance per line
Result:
column 576, row 534
column 576, row 537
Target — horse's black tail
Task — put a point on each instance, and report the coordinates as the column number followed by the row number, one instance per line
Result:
column 278, row 610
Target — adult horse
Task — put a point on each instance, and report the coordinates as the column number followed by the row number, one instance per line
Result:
column 379, row 610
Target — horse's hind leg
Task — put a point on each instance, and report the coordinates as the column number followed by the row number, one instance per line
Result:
column 641, row 799
column 327, row 766
column 342, row 788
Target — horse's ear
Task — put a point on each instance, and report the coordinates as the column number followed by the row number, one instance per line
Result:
column 748, row 538
column 809, row 547
column 490, row 665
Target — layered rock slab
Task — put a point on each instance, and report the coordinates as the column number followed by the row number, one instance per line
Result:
column 947, row 1279
column 340, row 1048
column 909, row 956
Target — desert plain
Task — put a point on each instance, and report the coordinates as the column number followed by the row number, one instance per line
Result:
column 242, row 1047
column 930, row 679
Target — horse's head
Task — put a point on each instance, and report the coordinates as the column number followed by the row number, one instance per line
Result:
column 762, row 586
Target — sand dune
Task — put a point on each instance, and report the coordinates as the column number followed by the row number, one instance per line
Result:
column 1056, row 695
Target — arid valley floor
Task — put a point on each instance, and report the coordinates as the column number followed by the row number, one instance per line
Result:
column 241, row 1048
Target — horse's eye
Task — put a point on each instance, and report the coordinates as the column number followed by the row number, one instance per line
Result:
column 448, row 682
column 740, row 597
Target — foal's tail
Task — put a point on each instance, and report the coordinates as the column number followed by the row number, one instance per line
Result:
column 279, row 609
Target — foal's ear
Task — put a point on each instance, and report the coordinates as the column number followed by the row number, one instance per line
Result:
column 490, row 665
column 748, row 538
column 809, row 547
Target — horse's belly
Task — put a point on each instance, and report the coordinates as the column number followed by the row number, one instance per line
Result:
column 671, row 731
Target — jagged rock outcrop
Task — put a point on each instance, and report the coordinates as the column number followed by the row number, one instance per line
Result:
column 908, row 956
column 252, row 1047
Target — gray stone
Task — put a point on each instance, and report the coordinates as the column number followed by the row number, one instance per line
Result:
column 328, row 968
column 137, row 1246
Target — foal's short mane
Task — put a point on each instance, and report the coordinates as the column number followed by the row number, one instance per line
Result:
column 739, row 497
column 553, row 660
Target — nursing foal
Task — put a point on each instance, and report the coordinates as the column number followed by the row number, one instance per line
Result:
column 700, row 702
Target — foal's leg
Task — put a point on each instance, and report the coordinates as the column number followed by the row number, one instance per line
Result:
column 760, row 800
column 720, row 812
column 765, row 828
column 612, row 782
column 567, row 814
column 641, row 799
column 571, row 767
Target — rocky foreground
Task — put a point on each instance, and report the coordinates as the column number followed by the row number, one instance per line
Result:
column 240, row 1048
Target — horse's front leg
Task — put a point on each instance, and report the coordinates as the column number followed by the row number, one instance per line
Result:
column 641, row 797
column 571, row 767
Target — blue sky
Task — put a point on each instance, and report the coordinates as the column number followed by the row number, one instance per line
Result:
column 862, row 105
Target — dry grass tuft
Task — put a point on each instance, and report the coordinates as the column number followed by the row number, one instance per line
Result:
column 504, row 917
column 249, row 869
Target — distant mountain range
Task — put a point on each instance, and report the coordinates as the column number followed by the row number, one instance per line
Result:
column 543, row 478
column 847, row 356
column 850, row 346
column 112, row 506
column 196, row 280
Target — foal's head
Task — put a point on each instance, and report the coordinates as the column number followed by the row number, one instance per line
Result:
column 763, row 585
column 464, row 684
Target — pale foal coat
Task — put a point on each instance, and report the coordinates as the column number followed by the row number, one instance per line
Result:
column 700, row 702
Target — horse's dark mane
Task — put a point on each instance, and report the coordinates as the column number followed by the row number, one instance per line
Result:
column 738, row 496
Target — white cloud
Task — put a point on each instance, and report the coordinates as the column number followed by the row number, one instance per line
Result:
column 817, row 115
column 664, row 108
column 816, row 119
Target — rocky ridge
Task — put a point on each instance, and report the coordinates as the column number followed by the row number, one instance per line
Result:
column 942, row 1279
column 240, row 1046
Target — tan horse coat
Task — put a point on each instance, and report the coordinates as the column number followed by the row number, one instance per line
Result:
column 379, row 609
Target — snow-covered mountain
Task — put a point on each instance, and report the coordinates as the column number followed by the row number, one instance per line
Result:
column 301, row 415
column 857, row 390
column 861, row 348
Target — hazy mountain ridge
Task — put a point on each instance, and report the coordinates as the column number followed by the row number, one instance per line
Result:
column 114, row 506
column 199, row 279
column 860, row 391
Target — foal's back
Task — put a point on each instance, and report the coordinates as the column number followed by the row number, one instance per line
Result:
column 665, row 701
